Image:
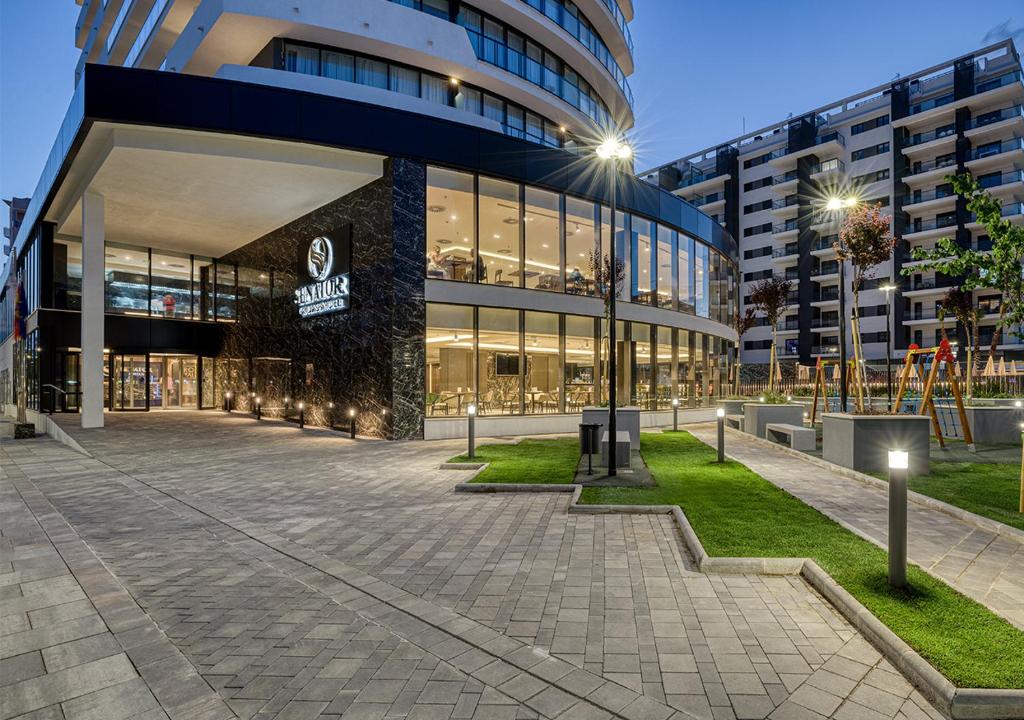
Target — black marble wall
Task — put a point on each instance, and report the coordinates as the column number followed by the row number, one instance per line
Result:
column 371, row 356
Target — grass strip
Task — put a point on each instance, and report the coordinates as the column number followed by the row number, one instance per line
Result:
column 737, row 513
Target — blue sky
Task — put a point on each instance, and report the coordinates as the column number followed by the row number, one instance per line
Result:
column 703, row 67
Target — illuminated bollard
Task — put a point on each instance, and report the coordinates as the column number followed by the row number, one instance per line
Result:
column 227, row 401
column 675, row 414
column 259, row 408
column 471, row 413
column 302, row 414
column 899, row 462
column 352, row 423
column 720, row 414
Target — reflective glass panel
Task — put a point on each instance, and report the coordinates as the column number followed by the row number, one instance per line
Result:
column 499, row 233
column 580, row 243
column 580, row 362
column 451, row 225
column 543, row 363
column 171, row 290
column 664, row 261
column 126, row 271
column 450, row 369
column 543, row 240
column 499, row 362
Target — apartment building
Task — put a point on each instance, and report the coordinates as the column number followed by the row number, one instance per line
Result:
column 893, row 145
column 375, row 209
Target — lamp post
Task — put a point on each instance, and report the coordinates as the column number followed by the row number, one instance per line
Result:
column 227, row 401
column 302, row 414
column 675, row 414
column 837, row 204
column 471, row 415
column 259, row 408
column 888, row 340
column 611, row 151
column 899, row 461
column 352, row 423
column 1021, row 508
column 720, row 414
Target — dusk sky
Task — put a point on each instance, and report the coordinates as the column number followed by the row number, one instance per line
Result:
column 702, row 68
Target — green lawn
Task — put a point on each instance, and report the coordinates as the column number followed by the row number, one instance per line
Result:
column 529, row 461
column 735, row 512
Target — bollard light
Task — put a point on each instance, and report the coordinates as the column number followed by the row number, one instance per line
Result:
column 302, row 414
column 227, row 401
column 899, row 463
column 1021, row 508
column 259, row 408
column 352, row 423
column 471, row 415
column 761, row 399
column 1018, row 403
column 675, row 414
column 789, row 398
column 720, row 414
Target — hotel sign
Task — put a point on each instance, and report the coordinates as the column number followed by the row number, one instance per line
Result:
column 325, row 260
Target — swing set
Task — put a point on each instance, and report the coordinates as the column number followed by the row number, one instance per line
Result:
column 914, row 365
column 853, row 378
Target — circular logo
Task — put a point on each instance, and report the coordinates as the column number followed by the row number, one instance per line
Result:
column 320, row 258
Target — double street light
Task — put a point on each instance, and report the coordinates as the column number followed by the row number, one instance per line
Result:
column 842, row 204
column 611, row 151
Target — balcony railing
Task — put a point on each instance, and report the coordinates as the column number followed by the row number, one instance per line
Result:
column 920, row 196
column 824, row 349
column 834, row 136
column 922, row 138
column 784, row 325
column 1009, row 210
column 785, row 178
column 991, row 149
column 828, row 268
column 825, row 322
column 923, row 167
column 931, row 314
column 788, row 201
column 826, row 295
column 936, row 223
column 786, row 252
column 707, row 199
column 693, row 177
column 930, row 284
column 833, row 165
column 997, row 82
column 825, row 243
column 1006, row 178
column 995, row 116
column 785, row 227
column 931, row 104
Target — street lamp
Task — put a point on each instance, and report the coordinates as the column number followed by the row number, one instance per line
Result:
column 611, row 150
column 838, row 204
column 888, row 339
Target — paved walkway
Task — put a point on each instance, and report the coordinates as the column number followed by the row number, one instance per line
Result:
column 305, row 575
column 981, row 564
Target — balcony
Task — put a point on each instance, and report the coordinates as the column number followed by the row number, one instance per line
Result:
column 1012, row 211
column 793, row 298
column 1011, row 177
column 786, row 229
column 923, row 317
column 994, row 154
column 927, row 286
column 826, row 295
column 996, row 122
column 788, row 325
column 789, row 274
column 920, row 227
column 826, row 271
column 783, row 184
column 825, row 323
column 824, row 246
column 931, row 169
column 835, row 166
column 824, row 350
column 699, row 181
column 939, row 139
column 923, row 138
column 786, row 207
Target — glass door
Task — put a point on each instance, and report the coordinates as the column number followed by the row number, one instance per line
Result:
column 130, row 382
column 175, row 382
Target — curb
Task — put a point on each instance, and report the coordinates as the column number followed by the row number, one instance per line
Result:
column 954, row 702
column 982, row 523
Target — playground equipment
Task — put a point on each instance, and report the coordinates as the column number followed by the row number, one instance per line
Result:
column 914, row 363
column 821, row 384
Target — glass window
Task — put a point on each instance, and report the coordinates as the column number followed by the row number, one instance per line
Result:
column 301, row 59
column 225, row 299
column 494, row 109
column 438, row 8
column 515, row 124
column 499, row 361
column 701, row 280
column 623, row 223
column 127, row 279
column 340, row 66
column 469, row 100
column 642, row 259
column 663, row 369
column 282, row 297
column 202, row 288
column 451, row 225
column 499, row 232
column 371, row 72
column 543, row 363
column 67, row 274
column 254, row 294
column 405, row 81
column 665, row 241
column 684, row 271
column 534, row 128
column 171, row 289
column 543, row 240
column 580, row 362
column 642, row 371
column 435, row 89
column 450, row 344
column 684, row 385
column 580, row 244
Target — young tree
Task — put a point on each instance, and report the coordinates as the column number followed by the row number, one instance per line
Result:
column 1001, row 268
column 768, row 296
column 960, row 303
column 864, row 240
column 743, row 323
column 609, row 277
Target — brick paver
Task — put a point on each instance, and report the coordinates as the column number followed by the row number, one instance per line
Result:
column 304, row 575
column 981, row 564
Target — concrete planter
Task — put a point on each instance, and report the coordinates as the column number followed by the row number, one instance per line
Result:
column 756, row 415
column 626, row 418
column 732, row 407
column 994, row 424
column 862, row 442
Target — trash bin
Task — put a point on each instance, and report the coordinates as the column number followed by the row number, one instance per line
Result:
column 590, row 442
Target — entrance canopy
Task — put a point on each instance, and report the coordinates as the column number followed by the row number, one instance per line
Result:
column 198, row 192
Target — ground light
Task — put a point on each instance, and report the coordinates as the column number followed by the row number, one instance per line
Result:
column 352, row 423
column 227, row 401
column 1021, row 508
column 899, row 461
column 675, row 414
column 471, row 416
column 720, row 414
column 258, row 408
column 302, row 414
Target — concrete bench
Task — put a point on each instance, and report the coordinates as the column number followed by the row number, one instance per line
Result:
column 621, row 448
column 799, row 438
column 734, row 421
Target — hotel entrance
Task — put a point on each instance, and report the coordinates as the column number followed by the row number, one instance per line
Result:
column 154, row 382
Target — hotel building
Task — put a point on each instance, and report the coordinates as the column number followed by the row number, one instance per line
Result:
column 389, row 208
column 893, row 145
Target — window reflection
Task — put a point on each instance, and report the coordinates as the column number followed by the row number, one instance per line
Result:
column 685, row 273
column 499, row 233
column 543, row 240
column 580, row 362
column 643, row 390
column 543, row 363
column 126, row 279
column 580, row 243
column 451, row 225
column 171, row 289
column 664, row 261
column 67, row 274
column 642, row 261
column 663, row 369
column 499, row 361
column 226, row 291
column 701, row 278
column 450, row 342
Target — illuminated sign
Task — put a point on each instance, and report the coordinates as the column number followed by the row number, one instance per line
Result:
column 327, row 267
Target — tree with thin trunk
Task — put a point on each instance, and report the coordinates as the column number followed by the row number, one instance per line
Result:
column 960, row 303
column 866, row 241
column 609, row 276
column 743, row 323
column 769, row 297
column 1001, row 268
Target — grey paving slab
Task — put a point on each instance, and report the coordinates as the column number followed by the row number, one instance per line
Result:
column 983, row 565
column 301, row 574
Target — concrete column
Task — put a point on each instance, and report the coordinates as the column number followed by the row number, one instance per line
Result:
column 93, row 242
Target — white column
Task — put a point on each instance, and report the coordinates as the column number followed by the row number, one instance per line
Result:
column 93, row 241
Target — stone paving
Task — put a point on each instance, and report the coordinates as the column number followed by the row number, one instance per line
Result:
column 305, row 575
column 983, row 565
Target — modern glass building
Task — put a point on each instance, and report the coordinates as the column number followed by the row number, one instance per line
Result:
column 350, row 228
